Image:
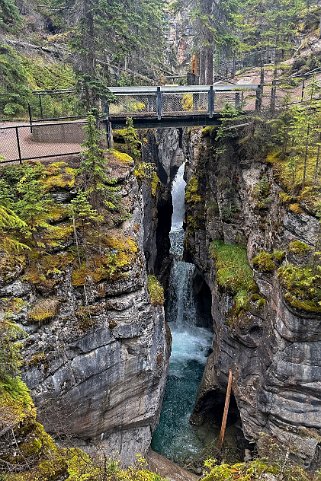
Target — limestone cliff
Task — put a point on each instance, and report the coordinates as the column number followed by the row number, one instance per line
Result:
column 95, row 352
column 266, row 325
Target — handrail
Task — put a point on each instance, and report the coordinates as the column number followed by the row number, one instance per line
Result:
column 172, row 89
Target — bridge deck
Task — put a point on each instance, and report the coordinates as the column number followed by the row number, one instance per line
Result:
column 179, row 120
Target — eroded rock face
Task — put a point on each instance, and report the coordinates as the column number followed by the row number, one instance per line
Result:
column 275, row 352
column 97, row 368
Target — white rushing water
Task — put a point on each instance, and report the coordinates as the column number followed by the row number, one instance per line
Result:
column 175, row 437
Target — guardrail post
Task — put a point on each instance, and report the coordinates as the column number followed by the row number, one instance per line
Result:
column 259, row 95
column 237, row 100
column 159, row 103
column 211, row 101
column 30, row 117
column 40, row 105
column 18, row 144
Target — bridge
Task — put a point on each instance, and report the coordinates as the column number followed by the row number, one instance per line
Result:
column 149, row 107
column 174, row 106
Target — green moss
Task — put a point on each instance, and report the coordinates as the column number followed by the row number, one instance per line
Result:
column 56, row 236
column 299, row 247
column 209, row 131
column 121, row 252
column 234, row 274
column 59, row 176
column 156, row 291
column 278, row 255
column 86, row 316
column 233, row 270
column 155, row 182
column 122, row 157
column 192, row 195
column 302, row 287
column 257, row 470
column 144, row 170
column 15, row 402
column 264, row 262
column 37, row 359
column 44, row 270
column 44, row 311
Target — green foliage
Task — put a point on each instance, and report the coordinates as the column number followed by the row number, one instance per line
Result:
column 192, row 195
column 252, row 471
column 81, row 210
column 261, row 193
column 233, row 270
column 264, row 262
column 234, row 274
column 299, row 247
column 126, row 140
column 156, row 291
column 302, row 286
column 21, row 75
column 10, row 359
column 257, row 470
column 11, row 228
column 10, row 19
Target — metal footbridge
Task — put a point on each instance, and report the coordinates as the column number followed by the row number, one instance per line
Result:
column 174, row 106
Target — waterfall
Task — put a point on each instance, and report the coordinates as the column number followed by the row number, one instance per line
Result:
column 175, row 437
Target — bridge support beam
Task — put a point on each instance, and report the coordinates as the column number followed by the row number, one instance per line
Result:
column 159, row 103
column 211, row 102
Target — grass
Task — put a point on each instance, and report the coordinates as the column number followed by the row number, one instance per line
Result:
column 233, row 270
column 234, row 274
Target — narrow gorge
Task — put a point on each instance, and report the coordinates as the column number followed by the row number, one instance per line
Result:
column 160, row 240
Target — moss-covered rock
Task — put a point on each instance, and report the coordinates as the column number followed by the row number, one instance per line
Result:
column 192, row 195
column 302, row 287
column 44, row 311
column 264, row 262
column 156, row 291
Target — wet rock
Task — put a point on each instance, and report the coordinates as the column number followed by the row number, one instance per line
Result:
column 274, row 354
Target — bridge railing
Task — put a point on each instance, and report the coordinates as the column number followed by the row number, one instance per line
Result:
column 171, row 101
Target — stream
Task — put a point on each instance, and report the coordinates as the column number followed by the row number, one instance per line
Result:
column 175, row 437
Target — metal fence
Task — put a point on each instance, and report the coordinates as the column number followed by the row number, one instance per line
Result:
column 50, row 105
column 48, row 140
column 171, row 101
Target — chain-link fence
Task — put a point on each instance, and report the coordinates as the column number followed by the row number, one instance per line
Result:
column 49, row 105
column 133, row 105
column 21, row 143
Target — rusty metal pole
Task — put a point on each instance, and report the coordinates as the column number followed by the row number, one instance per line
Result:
column 226, row 409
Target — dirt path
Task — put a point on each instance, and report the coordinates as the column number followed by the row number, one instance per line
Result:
column 168, row 469
column 28, row 147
